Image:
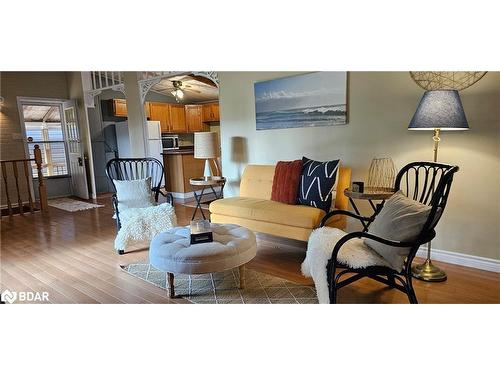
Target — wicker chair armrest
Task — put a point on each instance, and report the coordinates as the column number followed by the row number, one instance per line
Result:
column 384, row 241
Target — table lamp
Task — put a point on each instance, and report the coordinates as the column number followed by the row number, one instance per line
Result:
column 438, row 110
column 206, row 146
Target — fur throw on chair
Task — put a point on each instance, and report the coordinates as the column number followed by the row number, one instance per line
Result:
column 142, row 224
column 353, row 253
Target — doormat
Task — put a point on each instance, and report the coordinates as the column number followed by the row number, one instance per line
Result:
column 223, row 287
column 72, row 205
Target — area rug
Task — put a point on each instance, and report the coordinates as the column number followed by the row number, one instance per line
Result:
column 72, row 205
column 222, row 287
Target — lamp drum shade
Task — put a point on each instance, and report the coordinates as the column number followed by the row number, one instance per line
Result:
column 206, row 145
column 439, row 109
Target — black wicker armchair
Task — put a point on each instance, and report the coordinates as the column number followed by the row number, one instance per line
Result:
column 426, row 182
column 136, row 169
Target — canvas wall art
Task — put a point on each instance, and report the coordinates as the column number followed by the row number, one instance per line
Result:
column 306, row 100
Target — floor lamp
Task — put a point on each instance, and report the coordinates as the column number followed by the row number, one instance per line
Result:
column 438, row 110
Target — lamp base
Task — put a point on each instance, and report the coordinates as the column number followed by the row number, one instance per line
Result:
column 207, row 172
column 428, row 272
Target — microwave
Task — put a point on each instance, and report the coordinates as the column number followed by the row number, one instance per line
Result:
column 170, row 142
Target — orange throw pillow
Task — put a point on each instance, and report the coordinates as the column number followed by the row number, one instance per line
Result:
column 286, row 181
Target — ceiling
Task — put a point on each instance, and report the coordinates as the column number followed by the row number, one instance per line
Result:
column 41, row 113
column 195, row 88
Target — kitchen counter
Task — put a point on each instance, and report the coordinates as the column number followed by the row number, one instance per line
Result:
column 181, row 151
column 180, row 166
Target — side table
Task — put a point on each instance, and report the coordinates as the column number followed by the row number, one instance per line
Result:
column 206, row 184
column 369, row 194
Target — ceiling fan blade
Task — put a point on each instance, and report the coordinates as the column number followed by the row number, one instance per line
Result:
column 204, row 80
column 193, row 90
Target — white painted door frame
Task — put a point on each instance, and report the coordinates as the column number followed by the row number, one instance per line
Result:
column 22, row 100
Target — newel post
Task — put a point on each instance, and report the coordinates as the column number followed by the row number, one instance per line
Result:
column 41, row 183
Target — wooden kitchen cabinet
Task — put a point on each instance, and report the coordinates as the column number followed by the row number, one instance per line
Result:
column 120, row 108
column 160, row 112
column 177, row 118
column 194, row 118
column 179, row 168
column 211, row 112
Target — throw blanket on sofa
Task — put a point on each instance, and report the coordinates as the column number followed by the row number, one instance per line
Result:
column 142, row 224
column 319, row 251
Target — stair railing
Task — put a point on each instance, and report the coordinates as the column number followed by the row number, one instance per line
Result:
column 12, row 165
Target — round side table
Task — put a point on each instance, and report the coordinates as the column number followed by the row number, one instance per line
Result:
column 208, row 184
column 370, row 195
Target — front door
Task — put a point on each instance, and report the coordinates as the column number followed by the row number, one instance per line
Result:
column 75, row 151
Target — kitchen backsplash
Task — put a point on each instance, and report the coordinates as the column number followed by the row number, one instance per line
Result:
column 186, row 139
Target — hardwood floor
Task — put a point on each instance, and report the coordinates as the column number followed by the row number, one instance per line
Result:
column 71, row 256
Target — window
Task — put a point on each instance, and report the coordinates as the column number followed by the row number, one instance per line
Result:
column 43, row 127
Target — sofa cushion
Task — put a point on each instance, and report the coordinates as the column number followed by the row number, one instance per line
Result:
column 268, row 211
column 286, row 181
column 317, row 182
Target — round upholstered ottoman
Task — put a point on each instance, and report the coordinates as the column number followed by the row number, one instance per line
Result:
column 233, row 246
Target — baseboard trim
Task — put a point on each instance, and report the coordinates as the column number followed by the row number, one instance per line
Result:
column 466, row 260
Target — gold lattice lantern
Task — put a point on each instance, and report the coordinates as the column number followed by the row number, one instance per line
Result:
column 446, row 80
column 381, row 175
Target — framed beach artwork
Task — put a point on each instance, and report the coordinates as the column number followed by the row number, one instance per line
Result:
column 306, row 100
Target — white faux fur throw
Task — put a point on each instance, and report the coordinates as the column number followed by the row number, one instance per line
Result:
column 141, row 224
column 319, row 251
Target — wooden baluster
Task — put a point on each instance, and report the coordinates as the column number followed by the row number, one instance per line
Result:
column 16, row 177
column 4, row 174
column 27, row 176
column 41, row 183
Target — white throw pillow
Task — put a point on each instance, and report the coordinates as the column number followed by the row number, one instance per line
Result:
column 134, row 194
column 401, row 219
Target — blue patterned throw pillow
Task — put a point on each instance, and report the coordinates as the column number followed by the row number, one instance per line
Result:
column 317, row 182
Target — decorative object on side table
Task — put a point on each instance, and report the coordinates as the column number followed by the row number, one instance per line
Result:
column 358, row 187
column 200, row 231
column 437, row 110
column 206, row 146
column 381, row 175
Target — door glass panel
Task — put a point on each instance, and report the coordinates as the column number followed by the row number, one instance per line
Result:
column 43, row 127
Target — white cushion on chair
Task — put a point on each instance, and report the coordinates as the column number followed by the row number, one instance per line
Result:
column 134, row 194
column 354, row 254
column 142, row 224
column 401, row 219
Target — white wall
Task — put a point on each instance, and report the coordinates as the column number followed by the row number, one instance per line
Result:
column 381, row 105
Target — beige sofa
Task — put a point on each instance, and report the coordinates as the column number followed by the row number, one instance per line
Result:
column 255, row 210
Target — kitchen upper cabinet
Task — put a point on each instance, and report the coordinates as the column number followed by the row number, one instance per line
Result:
column 120, row 107
column 211, row 112
column 160, row 112
column 194, row 118
column 178, row 118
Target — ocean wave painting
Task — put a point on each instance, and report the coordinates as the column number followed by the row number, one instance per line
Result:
column 308, row 100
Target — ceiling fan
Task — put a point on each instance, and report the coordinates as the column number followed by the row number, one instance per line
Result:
column 180, row 87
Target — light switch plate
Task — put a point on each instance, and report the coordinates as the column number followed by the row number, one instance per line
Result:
column 17, row 136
